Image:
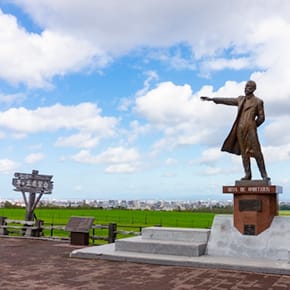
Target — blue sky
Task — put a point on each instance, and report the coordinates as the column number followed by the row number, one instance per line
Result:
column 104, row 95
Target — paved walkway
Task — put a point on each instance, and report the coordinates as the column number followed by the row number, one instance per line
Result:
column 35, row 264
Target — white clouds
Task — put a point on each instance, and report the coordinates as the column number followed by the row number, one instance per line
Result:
column 118, row 155
column 121, row 168
column 81, row 140
column 7, row 166
column 85, row 118
column 193, row 38
column 175, row 107
column 85, row 33
column 277, row 132
column 12, row 98
column 2, row 135
column 206, row 25
column 223, row 63
column 182, row 117
column 126, row 103
column 84, row 156
column 184, row 120
column 165, row 104
column 96, row 20
column 211, row 170
column 170, row 161
column 117, row 159
column 277, row 153
column 210, row 155
column 34, row 59
column 33, row 158
column 272, row 39
column 151, row 76
column 172, row 109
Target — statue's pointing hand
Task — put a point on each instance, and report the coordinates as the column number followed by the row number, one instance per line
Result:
column 204, row 98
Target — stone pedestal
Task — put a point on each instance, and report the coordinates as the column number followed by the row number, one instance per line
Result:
column 273, row 244
column 255, row 205
column 166, row 241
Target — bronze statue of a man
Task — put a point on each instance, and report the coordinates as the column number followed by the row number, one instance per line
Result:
column 243, row 138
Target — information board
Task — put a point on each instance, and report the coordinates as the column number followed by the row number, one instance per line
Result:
column 79, row 224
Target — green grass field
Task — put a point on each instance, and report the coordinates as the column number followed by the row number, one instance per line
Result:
column 128, row 220
column 121, row 217
column 284, row 212
column 60, row 216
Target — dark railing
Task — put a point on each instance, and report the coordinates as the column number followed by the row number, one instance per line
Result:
column 24, row 228
column 37, row 228
column 113, row 232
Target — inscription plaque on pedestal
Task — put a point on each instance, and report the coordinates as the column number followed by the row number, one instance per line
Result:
column 79, row 224
column 250, row 205
column 249, row 230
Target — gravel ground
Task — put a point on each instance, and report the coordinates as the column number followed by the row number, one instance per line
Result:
column 36, row 264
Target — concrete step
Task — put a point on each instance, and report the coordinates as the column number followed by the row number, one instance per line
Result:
column 255, row 265
column 176, row 234
column 176, row 248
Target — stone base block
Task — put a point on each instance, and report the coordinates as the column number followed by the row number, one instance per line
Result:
column 139, row 245
column 167, row 241
column 226, row 240
column 176, row 234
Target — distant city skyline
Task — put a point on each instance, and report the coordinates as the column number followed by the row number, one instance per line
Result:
column 137, row 204
column 104, row 95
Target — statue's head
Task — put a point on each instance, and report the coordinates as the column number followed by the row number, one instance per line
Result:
column 250, row 87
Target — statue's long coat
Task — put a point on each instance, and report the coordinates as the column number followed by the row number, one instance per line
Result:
column 243, row 137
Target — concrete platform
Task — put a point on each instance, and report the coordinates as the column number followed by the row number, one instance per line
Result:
column 140, row 245
column 176, row 234
column 226, row 248
column 167, row 241
column 107, row 252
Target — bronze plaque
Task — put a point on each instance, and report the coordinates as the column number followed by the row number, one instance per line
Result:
column 250, row 205
column 250, row 230
column 252, row 189
column 79, row 224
